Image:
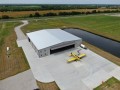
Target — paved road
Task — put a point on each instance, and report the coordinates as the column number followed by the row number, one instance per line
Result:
column 19, row 33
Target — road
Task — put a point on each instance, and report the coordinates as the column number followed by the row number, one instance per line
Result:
column 19, row 33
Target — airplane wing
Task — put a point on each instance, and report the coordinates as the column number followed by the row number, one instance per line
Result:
column 72, row 53
column 71, row 59
column 82, row 55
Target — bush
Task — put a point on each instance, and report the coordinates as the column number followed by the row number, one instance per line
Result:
column 64, row 13
column 94, row 11
column 50, row 14
column 70, row 13
column 5, row 17
column 88, row 12
column 30, row 15
column 75, row 13
column 37, row 14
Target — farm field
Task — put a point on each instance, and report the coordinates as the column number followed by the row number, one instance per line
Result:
column 111, row 84
column 27, row 13
column 13, row 62
column 107, row 26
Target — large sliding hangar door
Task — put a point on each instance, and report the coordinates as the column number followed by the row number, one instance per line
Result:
column 62, row 47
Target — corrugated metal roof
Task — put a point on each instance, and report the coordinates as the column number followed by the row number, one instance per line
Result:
column 49, row 37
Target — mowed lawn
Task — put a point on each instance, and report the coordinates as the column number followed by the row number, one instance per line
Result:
column 108, row 26
column 111, row 84
column 16, row 62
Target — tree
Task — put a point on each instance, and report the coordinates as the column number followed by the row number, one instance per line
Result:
column 50, row 14
column 5, row 17
column 75, row 13
column 88, row 12
column 94, row 11
column 37, row 14
column 30, row 15
column 64, row 13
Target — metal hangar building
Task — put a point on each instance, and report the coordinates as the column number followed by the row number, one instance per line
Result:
column 49, row 41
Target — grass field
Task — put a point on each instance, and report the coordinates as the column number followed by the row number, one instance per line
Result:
column 16, row 62
column 111, row 84
column 27, row 13
column 107, row 26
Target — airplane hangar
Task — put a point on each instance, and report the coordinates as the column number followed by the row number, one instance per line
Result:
column 49, row 41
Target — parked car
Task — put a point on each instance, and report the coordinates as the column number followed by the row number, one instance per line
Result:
column 83, row 46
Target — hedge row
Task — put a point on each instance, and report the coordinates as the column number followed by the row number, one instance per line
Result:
column 37, row 14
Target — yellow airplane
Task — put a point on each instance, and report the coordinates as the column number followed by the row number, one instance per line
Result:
column 75, row 57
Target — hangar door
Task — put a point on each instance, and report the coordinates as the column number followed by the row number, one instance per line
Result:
column 61, row 49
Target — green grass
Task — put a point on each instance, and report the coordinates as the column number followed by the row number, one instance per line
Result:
column 16, row 62
column 107, row 26
column 111, row 84
column 6, row 28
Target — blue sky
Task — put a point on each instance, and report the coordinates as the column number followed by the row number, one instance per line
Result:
column 59, row 1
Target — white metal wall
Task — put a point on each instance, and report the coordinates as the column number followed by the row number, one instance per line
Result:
column 46, row 51
column 77, row 43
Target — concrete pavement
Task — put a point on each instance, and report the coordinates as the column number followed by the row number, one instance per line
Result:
column 22, row 81
column 19, row 33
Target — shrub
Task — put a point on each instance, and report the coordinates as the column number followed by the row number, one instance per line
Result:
column 37, row 14
column 50, row 14
column 5, row 17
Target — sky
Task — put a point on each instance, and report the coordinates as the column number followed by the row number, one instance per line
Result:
column 59, row 1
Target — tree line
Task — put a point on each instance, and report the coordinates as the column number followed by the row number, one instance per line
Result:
column 37, row 14
column 5, row 8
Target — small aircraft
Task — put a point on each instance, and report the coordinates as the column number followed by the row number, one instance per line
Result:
column 76, row 57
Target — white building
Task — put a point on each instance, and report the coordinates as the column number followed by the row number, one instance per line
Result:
column 49, row 41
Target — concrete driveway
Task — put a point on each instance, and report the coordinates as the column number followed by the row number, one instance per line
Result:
column 22, row 81
column 19, row 33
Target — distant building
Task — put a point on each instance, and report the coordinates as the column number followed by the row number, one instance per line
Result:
column 49, row 41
